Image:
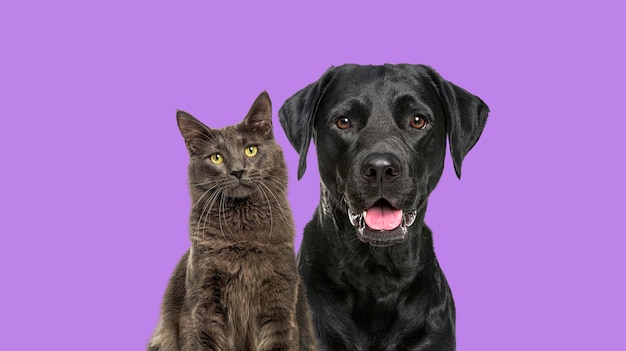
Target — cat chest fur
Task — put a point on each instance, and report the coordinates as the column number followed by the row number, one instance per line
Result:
column 244, row 289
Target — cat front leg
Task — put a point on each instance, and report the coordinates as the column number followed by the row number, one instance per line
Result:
column 277, row 324
column 278, row 331
column 202, row 329
column 165, row 337
column 307, row 338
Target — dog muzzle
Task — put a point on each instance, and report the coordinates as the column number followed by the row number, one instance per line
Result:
column 382, row 225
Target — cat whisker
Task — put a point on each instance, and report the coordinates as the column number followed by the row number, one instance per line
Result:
column 207, row 212
column 269, row 205
column 219, row 216
column 278, row 185
column 275, row 199
column 206, row 209
column 282, row 183
column 208, row 182
column 203, row 195
column 220, row 194
column 203, row 212
column 222, row 209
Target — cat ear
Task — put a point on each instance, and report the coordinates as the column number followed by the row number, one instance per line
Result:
column 298, row 113
column 195, row 133
column 259, row 118
column 466, row 116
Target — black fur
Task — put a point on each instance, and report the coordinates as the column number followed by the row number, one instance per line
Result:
column 373, row 289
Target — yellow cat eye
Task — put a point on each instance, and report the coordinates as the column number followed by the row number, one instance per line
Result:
column 217, row 159
column 251, row 151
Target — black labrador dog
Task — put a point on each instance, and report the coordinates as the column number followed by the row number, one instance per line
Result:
column 367, row 258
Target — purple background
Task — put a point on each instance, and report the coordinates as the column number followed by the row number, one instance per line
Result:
column 93, row 193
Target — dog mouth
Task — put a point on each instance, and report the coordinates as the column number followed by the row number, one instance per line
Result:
column 382, row 224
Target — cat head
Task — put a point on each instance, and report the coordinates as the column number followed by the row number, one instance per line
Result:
column 238, row 161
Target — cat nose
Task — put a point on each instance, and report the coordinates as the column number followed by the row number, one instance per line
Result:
column 237, row 173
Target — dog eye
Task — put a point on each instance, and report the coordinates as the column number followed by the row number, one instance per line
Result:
column 418, row 122
column 344, row 123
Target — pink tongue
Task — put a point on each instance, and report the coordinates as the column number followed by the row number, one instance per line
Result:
column 383, row 217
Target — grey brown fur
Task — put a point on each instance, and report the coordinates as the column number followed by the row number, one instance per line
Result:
column 237, row 288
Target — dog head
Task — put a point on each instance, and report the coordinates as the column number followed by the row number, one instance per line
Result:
column 380, row 134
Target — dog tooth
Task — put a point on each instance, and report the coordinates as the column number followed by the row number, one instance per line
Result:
column 360, row 229
column 354, row 218
column 409, row 219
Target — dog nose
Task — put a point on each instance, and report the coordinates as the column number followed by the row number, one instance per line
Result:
column 379, row 168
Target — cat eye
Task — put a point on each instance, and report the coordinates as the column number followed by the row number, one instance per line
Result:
column 216, row 159
column 344, row 123
column 418, row 122
column 251, row 151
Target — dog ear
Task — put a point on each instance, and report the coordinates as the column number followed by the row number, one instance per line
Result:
column 297, row 117
column 466, row 115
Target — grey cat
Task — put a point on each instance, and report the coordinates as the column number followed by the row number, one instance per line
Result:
column 237, row 287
